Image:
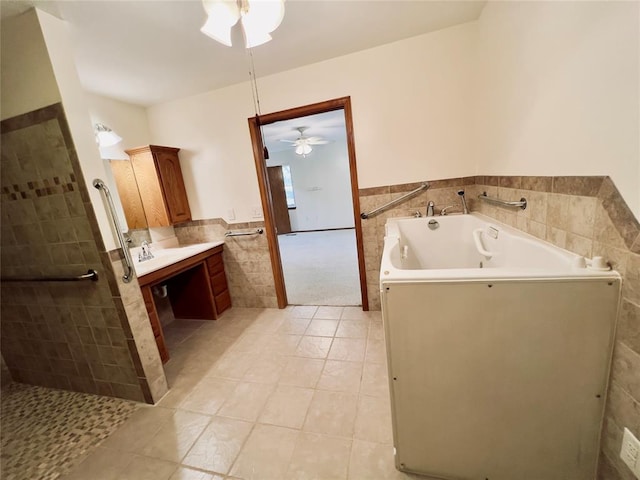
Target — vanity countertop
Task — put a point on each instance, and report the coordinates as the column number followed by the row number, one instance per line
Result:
column 164, row 257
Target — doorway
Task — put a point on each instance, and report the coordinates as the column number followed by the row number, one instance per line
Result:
column 309, row 192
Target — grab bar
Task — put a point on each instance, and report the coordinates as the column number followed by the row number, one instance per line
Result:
column 378, row 210
column 477, row 233
column 90, row 275
column 497, row 201
column 128, row 275
column 258, row 231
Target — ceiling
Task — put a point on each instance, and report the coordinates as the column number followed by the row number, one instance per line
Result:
column 147, row 52
column 330, row 126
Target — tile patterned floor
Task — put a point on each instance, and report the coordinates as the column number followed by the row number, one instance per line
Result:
column 262, row 394
column 45, row 431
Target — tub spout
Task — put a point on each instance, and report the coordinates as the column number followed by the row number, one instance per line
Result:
column 465, row 210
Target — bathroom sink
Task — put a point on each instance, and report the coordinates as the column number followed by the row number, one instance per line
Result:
column 163, row 257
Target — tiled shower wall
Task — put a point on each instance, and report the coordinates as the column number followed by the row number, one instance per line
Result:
column 585, row 215
column 246, row 259
column 68, row 335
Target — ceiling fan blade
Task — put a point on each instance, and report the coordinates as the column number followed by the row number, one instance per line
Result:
column 318, row 142
column 288, row 141
column 313, row 139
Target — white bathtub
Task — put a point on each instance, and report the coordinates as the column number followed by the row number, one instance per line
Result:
column 498, row 361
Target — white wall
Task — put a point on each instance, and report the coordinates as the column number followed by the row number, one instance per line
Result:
column 558, row 87
column 26, row 75
column 322, row 187
column 410, row 110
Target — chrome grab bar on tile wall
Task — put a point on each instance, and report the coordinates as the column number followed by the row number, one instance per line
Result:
column 90, row 275
column 504, row 203
column 384, row 207
column 128, row 275
column 258, row 231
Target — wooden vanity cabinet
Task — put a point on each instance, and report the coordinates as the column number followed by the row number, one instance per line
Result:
column 219, row 285
column 160, row 184
column 197, row 288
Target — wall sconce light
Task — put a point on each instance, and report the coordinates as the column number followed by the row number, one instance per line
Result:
column 105, row 136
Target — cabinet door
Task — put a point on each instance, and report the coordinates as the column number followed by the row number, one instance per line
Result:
column 150, row 189
column 128, row 193
column 175, row 195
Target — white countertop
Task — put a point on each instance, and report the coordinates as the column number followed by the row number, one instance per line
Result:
column 163, row 257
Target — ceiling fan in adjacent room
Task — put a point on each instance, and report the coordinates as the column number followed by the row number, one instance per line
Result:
column 303, row 144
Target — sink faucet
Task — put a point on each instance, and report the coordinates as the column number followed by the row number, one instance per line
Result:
column 145, row 252
column 430, row 207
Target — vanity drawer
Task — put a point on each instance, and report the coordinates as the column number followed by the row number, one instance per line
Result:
column 223, row 301
column 219, row 283
column 215, row 264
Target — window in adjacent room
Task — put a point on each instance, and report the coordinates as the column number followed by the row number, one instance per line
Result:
column 288, row 186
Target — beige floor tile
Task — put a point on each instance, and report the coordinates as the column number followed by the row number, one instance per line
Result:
column 266, row 369
column 375, row 380
column 294, row 326
column 287, row 407
column 376, row 330
column 177, row 436
column 376, row 351
column 373, row 420
column 141, row 427
column 322, row 328
column 209, row 395
column 146, row 468
column 331, row 413
column 331, row 313
column 267, row 453
column 281, row 344
column 319, row 457
column 219, row 445
column 246, row 401
column 232, row 365
column 313, row 347
column 249, row 342
column 302, row 311
column 353, row 329
column 267, row 322
column 340, row 376
column 351, row 349
column 184, row 473
column 354, row 313
column 374, row 461
column 102, row 464
column 301, row 372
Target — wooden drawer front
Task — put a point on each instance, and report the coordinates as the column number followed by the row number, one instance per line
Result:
column 219, row 283
column 215, row 264
column 223, row 301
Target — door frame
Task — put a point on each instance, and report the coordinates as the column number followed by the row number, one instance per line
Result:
column 342, row 103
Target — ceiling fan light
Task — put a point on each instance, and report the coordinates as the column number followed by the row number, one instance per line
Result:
column 253, row 38
column 259, row 18
column 222, row 15
column 303, row 149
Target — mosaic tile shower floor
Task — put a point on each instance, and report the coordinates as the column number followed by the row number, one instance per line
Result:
column 45, row 432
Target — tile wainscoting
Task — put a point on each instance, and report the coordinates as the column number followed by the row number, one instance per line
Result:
column 586, row 215
column 72, row 336
column 246, row 259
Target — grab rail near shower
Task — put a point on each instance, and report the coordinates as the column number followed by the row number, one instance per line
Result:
column 390, row 204
column 258, row 231
column 129, row 271
column 90, row 275
column 504, row 203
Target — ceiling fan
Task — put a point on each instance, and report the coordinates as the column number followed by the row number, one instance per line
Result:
column 303, row 144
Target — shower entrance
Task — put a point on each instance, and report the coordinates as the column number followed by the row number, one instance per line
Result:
column 305, row 213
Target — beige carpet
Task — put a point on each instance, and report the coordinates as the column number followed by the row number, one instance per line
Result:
column 321, row 268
